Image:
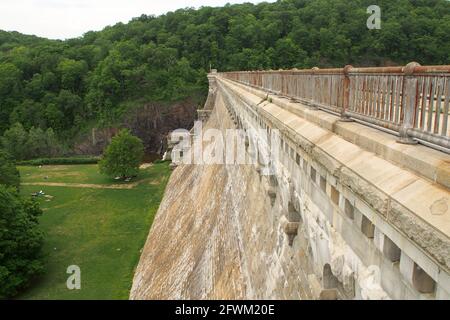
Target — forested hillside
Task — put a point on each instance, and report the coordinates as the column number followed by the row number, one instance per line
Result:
column 52, row 90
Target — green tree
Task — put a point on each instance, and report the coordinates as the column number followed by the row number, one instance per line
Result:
column 14, row 141
column 9, row 175
column 32, row 144
column 10, row 77
column 10, row 89
column 52, row 145
column 20, row 242
column 72, row 73
column 123, row 156
column 29, row 113
column 36, row 143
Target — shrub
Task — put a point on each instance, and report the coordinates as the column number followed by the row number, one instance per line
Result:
column 20, row 242
column 123, row 155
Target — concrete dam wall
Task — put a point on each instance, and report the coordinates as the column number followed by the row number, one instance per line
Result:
column 347, row 213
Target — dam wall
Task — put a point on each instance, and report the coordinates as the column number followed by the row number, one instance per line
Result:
column 344, row 213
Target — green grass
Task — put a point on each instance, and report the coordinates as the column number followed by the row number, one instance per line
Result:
column 100, row 230
column 87, row 174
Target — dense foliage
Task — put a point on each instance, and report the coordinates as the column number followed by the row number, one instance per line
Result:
column 20, row 239
column 36, row 142
column 9, row 175
column 123, row 156
column 95, row 79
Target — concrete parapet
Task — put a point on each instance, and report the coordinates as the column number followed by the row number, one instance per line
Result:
column 381, row 186
column 203, row 115
column 423, row 161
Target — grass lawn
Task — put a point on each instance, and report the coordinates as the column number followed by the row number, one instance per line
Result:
column 86, row 174
column 100, row 230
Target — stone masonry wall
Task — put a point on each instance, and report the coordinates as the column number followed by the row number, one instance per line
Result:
column 313, row 230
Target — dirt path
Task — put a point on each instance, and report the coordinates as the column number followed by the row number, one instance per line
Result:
column 85, row 185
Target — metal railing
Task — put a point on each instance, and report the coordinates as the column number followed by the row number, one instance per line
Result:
column 412, row 101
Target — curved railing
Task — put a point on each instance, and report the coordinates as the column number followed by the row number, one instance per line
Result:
column 412, row 101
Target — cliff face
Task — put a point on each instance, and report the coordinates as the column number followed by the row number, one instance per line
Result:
column 217, row 236
column 150, row 122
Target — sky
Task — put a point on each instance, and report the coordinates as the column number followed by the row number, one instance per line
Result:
column 63, row 19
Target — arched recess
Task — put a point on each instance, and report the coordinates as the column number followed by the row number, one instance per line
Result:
column 329, row 280
column 329, row 284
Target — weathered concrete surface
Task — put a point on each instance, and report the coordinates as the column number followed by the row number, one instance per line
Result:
column 376, row 180
column 424, row 161
column 215, row 237
column 375, row 219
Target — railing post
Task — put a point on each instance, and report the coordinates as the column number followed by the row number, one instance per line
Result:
column 409, row 103
column 314, row 88
column 212, row 81
column 270, row 82
column 346, row 93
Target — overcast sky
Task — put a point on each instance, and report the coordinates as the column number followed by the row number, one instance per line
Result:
column 61, row 19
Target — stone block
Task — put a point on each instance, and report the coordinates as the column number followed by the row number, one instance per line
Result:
column 349, row 209
column 406, row 267
column 323, row 184
column 365, row 190
column 421, row 233
column 326, row 160
column 291, row 230
column 329, row 294
column 378, row 239
column 357, row 218
column 427, row 201
column 313, row 174
column 305, row 166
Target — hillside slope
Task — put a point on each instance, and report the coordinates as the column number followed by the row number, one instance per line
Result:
column 95, row 80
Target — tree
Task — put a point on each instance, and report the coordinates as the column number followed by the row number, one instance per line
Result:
column 9, row 175
column 20, row 242
column 28, row 113
column 36, row 144
column 32, row 144
column 52, row 145
column 10, row 88
column 14, row 141
column 10, row 77
column 72, row 73
column 287, row 54
column 20, row 239
column 123, row 156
